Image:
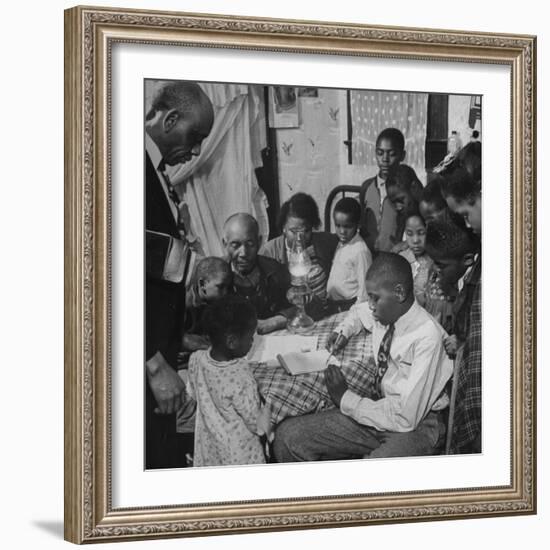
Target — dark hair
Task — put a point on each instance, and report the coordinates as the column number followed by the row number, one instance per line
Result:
column 392, row 269
column 432, row 194
column 415, row 214
column 469, row 157
column 459, row 183
column 447, row 240
column 462, row 178
column 394, row 135
column 349, row 206
column 229, row 315
column 404, row 177
column 210, row 266
column 177, row 94
column 301, row 206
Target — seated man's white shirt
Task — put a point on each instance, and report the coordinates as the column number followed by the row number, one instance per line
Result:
column 418, row 369
column 347, row 279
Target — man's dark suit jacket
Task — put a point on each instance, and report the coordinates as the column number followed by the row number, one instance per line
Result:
column 164, row 301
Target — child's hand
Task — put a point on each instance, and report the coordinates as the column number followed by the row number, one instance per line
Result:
column 263, row 423
column 399, row 247
column 451, row 345
column 336, row 341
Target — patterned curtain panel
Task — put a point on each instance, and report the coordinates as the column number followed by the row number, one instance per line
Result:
column 371, row 112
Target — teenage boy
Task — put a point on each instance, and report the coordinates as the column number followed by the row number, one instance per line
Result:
column 378, row 220
column 400, row 418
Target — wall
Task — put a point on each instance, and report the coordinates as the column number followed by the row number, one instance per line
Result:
column 32, row 271
column 459, row 112
column 312, row 158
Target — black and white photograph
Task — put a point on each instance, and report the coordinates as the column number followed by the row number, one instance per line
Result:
column 313, row 274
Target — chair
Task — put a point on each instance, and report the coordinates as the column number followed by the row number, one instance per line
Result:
column 337, row 193
column 452, row 404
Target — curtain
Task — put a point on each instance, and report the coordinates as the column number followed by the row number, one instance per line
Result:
column 371, row 112
column 221, row 180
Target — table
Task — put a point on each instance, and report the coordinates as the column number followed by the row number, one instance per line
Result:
column 288, row 395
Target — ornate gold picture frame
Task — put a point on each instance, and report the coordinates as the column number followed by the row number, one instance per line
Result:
column 90, row 35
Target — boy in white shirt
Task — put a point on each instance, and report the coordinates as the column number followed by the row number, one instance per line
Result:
column 400, row 418
column 352, row 259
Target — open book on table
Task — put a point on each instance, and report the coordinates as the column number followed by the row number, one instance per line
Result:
column 304, row 362
column 266, row 348
column 296, row 354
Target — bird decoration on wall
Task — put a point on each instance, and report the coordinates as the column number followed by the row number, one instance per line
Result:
column 287, row 148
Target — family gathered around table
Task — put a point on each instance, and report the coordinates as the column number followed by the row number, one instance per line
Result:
column 393, row 296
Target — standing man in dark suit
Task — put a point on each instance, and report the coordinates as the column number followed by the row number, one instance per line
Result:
column 180, row 117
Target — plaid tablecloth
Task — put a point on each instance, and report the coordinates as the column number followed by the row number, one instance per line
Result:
column 288, row 395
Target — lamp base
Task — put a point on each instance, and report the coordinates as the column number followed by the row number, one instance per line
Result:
column 301, row 323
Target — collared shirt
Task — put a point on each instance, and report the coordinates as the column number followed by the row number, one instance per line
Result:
column 379, row 218
column 418, row 369
column 265, row 287
column 349, row 270
column 251, row 281
column 156, row 158
column 381, row 184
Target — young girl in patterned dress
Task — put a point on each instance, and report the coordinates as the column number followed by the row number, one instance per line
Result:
column 415, row 253
column 220, row 380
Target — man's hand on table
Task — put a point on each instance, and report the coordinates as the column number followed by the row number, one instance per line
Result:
column 167, row 387
column 336, row 341
column 265, row 326
column 336, row 383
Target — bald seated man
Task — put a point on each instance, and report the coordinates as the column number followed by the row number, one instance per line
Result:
column 262, row 280
column 179, row 119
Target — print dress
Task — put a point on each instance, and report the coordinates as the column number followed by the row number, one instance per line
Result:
column 228, row 405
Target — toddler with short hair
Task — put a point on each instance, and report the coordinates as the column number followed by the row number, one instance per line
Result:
column 221, row 382
column 212, row 280
column 352, row 259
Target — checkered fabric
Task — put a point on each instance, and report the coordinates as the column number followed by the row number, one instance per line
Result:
column 289, row 395
column 467, row 419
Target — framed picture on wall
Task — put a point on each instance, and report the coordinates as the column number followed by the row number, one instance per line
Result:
column 185, row 132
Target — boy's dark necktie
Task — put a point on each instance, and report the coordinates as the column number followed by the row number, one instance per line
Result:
column 383, row 358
